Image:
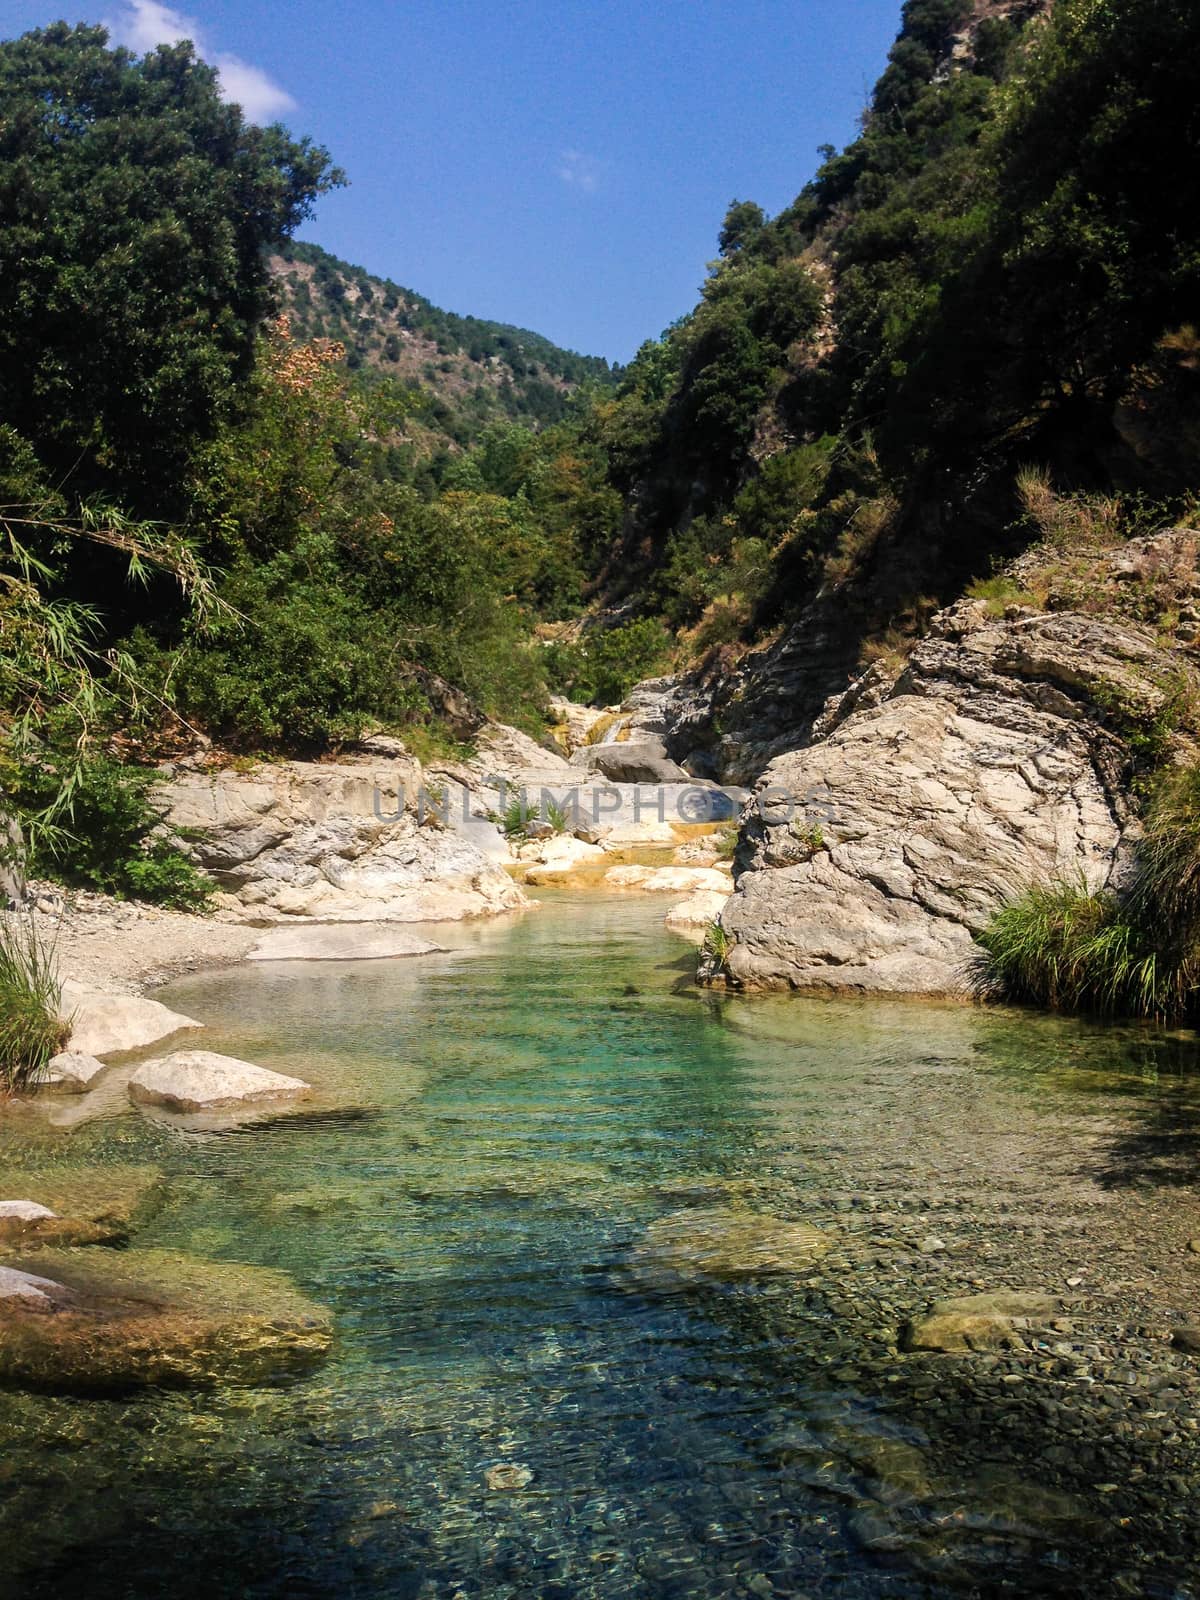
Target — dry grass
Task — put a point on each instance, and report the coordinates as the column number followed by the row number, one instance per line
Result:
column 869, row 522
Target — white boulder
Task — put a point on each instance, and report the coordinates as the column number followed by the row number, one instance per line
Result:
column 698, row 912
column 669, row 880
column 71, row 1072
column 104, row 1024
column 199, row 1080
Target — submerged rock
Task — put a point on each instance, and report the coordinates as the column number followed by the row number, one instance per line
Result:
column 508, row 1476
column 199, row 1080
column 78, row 1206
column 989, row 1321
column 84, row 1324
column 720, row 1245
column 353, row 942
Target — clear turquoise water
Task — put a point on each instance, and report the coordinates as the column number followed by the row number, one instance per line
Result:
column 513, row 1115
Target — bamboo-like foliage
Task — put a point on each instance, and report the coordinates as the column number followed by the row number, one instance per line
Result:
column 51, row 665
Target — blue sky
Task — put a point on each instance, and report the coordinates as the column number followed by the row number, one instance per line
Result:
column 557, row 164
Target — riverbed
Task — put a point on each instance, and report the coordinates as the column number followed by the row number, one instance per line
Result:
column 512, row 1410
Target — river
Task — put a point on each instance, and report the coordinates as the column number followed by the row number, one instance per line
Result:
column 510, row 1411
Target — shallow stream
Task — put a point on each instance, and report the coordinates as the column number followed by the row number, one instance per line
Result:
column 516, row 1113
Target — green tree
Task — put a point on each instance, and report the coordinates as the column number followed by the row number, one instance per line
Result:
column 136, row 210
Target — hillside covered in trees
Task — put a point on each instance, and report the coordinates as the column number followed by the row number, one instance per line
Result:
column 999, row 275
column 475, row 371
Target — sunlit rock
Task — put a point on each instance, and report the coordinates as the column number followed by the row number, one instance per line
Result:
column 199, row 1080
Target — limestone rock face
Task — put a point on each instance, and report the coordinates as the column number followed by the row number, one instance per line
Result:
column 105, row 1024
column 334, row 843
column 199, row 1080
column 94, row 1323
column 988, row 766
column 504, row 752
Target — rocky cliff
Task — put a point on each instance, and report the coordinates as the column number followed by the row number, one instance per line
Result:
column 1000, row 757
column 333, row 842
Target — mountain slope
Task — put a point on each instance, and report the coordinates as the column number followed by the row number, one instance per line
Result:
column 480, row 371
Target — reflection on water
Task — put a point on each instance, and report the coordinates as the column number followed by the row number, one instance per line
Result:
column 527, row 1104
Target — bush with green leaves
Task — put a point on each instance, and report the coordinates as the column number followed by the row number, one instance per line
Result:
column 31, row 1028
column 100, row 832
column 603, row 667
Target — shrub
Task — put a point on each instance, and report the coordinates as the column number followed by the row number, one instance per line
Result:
column 95, row 830
column 519, row 813
column 604, row 668
column 31, row 1031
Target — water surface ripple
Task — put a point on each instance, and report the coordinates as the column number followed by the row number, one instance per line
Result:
column 523, row 1108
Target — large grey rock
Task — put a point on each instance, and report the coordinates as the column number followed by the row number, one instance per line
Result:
column 334, row 842
column 105, row 1024
column 989, row 766
column 199, row 1080
column 645, row 762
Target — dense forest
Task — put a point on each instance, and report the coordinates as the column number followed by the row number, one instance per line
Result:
column 254, row 495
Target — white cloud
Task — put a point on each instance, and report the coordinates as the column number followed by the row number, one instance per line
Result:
column 143, row 24
column 579, row 171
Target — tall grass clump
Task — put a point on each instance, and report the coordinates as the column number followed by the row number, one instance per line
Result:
column 31, row 1031
column 1062, row 947
column 1136, row 954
